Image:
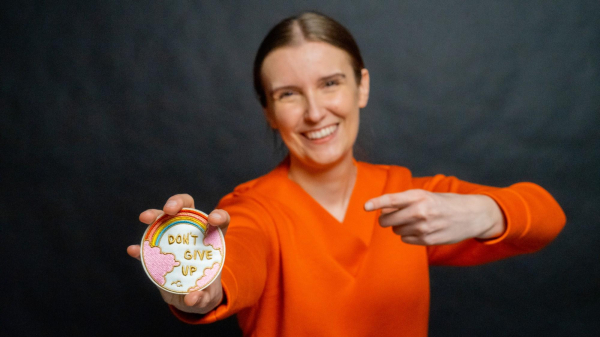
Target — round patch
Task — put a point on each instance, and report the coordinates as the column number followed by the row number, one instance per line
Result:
column 183, row 253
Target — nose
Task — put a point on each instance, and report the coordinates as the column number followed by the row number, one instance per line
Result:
column 315, row 111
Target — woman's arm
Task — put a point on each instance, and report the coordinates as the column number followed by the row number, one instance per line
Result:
column 245, row 269
column 533, row 219
column 466, row 224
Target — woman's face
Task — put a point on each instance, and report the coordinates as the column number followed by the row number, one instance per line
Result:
column 313, row 100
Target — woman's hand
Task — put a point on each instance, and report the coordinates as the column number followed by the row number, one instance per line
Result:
column 426, row 218
column 198, row 302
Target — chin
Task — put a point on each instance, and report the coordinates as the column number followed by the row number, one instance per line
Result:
column 324, row 160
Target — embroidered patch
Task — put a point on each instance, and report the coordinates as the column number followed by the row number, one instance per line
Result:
column 183, row 253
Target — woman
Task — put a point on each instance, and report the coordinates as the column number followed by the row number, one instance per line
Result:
column 309, row 250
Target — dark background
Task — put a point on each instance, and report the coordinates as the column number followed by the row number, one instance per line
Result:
column 109, row 107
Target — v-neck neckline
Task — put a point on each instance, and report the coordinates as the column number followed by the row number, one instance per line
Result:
column 285, row 169
column 357, row 222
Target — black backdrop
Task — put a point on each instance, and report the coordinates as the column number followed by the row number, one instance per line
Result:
column 109, row 107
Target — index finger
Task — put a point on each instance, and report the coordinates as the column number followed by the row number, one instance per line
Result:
column 394, row 200
column 175, row 203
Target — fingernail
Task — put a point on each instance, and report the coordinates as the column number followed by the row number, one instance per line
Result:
column 368, row 206
column 171, row 203
column 216, row 216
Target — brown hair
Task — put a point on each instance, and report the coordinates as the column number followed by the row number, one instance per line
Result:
column 309, row 26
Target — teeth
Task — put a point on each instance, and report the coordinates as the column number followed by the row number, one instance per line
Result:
column 324, row 132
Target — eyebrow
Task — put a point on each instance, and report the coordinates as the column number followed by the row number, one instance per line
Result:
column 322, row 79
column 330, row 77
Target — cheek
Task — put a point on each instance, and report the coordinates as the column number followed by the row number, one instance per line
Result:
column 345, row 105
column 286, row 117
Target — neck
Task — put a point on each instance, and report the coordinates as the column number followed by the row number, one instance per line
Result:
column 330, row 186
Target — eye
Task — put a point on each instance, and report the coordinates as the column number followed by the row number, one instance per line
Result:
column 331, row 83
column 285, row 94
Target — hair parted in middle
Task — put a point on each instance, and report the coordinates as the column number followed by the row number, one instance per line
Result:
column 307, row 26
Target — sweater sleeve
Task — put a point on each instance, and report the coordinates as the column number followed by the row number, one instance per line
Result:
column 533, row 219
column 245, row 269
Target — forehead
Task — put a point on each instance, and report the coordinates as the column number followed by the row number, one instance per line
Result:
column 305, row 62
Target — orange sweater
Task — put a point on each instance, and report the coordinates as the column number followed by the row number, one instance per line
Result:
column 294, row 270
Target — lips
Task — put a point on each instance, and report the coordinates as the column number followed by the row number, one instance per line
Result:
column 321, row 133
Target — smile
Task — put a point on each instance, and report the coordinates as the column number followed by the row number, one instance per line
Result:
column 321, row 133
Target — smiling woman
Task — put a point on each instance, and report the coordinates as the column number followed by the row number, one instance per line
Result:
column 326, row 245
column 314, row 101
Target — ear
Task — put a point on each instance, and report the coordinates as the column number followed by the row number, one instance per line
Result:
column 363, row 88
column 269, row 117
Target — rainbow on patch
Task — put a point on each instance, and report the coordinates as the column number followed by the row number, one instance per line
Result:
column 188, row 216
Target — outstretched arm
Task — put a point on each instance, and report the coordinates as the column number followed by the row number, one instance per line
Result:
column 465, row 224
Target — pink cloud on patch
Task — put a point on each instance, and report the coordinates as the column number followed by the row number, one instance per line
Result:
column 213, row 238
column 209, row 275
column 157, row 263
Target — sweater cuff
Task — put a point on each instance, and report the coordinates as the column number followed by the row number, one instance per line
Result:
column 516, row 214
column 223, row 310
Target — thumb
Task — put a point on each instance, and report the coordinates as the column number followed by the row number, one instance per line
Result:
column 193, row 298
column 219, row 218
